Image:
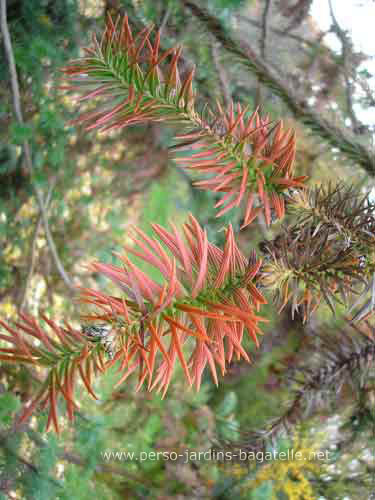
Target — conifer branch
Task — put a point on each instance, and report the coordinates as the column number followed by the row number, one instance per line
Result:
column 64, row 353
column 208, row 297
column 246, row 157
column 328, row 253
column 208, row 301
column 336, row 359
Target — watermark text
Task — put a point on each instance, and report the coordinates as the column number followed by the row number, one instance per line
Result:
column 186, row 456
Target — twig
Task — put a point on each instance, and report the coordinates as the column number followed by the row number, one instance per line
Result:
column 32, row 257
column 345, row 51
column 26, row 147
column 370, row 95
column 263, row 37
column 298, row 12
column 51, row 243
column 281, row 33
column 335, row 136
column 165, row 20
column 222, row 76
column 262, row 44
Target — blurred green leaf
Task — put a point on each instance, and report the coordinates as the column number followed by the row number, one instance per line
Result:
column 263, row 492
column 20, row 133
column 9, row 404
column 228, row 404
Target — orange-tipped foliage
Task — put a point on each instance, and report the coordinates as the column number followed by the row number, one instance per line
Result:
column 251, row 162
column 132, row 76
column 203, row 308
column 247, row 158
column 204, row 305
column 64, row 352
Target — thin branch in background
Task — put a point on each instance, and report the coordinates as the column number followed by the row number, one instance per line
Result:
column 222, row 75
column 298, row 12
column 336, row 136
column 164, row 20
column 346, row 52
column 311, row 43
column 31, row 261
column 304, row 44
column 310, row 47
column 262, row 44
column 263, row 37
column 369, row 93
column 26, row 146
column 51, row 244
